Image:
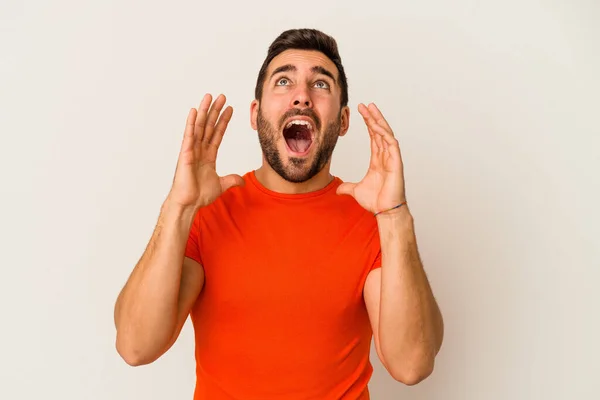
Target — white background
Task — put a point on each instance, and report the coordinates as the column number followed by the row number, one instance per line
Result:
column 496, row 107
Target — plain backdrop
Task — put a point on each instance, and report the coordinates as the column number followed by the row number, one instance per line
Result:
column 496, row 108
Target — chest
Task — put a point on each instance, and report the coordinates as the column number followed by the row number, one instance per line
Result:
column 263, row 266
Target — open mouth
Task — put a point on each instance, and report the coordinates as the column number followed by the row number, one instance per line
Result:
column 298, row 135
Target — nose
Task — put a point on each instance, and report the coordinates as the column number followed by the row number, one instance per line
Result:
column 298, row 102
column 301, row 99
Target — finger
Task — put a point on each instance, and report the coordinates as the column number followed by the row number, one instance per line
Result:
column 346, row 188
column 364, row 112
column 229, row 181
column 376, row 127
column 385, row 146
column 385, row 134
column 391, row 144
column 215, row 110
column 379, row 118
column 375, row 153
column 221, row 126
column 188, row 134
column 201, row 117
column 371, row 119
column 389, row 148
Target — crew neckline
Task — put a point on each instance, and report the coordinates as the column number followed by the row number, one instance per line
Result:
column 335, row 182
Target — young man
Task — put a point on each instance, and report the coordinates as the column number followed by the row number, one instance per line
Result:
column 287, row 272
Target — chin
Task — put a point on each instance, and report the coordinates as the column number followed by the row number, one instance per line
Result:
column 298, row 169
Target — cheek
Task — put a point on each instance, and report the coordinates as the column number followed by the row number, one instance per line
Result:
column 271, row 109
column 327, row 106
column 273, row 101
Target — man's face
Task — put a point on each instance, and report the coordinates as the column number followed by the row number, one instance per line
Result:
column 299, row 117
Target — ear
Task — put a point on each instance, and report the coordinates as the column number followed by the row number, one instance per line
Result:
column 254, row 114
column 345, row 120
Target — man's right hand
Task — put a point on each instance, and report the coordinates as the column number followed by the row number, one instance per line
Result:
column 196, row 183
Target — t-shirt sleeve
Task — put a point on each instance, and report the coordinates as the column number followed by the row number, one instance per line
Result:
column 377, row 263
column 192, row 247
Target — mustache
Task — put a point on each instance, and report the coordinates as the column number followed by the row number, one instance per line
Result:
column 295, row 112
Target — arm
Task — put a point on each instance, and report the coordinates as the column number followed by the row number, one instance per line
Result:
column 153, row 306
column 408, row 325
column 155, row 302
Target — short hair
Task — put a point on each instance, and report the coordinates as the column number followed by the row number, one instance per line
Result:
column 304, row 39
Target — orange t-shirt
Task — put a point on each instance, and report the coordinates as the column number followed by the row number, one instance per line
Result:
column 281, row 314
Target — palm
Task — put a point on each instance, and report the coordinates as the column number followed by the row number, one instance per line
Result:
column 383, row 185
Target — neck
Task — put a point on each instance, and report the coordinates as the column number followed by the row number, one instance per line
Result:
column 273, row 181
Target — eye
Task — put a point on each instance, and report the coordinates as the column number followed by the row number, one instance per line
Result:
column 322, row 85
column 282, row 81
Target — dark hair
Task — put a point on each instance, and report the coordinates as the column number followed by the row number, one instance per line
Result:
column 304, row 39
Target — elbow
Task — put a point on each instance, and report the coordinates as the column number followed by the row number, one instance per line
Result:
column 411, row 372
column 133, row 355
column 133, row 360
column 411, row 377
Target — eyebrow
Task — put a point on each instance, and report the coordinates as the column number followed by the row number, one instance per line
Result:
column 323, row 71
column 292, row 68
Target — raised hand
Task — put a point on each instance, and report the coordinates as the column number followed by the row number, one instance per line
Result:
column 196, row 183
column 382, row 188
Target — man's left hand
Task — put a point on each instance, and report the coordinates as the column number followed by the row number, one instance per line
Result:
column 382, row 188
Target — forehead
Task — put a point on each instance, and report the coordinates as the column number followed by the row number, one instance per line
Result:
column 303, row 60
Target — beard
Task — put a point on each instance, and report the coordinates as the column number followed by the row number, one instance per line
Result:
column 298, row 169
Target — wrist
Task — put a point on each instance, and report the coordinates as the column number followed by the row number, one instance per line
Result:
column 396, row 216
column 395, row 227
column 173, row 210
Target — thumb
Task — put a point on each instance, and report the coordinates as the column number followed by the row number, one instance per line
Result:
column 230, row 181
column 346, row 188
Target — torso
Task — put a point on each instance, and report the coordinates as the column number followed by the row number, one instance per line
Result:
column 281, row 314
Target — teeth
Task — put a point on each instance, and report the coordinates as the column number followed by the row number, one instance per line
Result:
column 299, row 122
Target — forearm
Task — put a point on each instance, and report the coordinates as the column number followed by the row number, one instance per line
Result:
column 146, row 309
column 410, row 323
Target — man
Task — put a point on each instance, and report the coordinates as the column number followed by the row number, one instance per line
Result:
column 287, row 272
